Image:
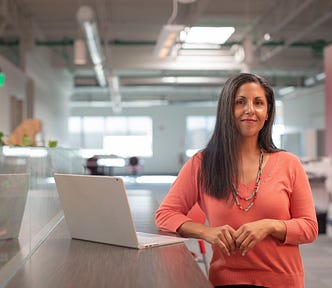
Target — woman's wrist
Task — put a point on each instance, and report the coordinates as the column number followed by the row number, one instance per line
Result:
column 278, row 229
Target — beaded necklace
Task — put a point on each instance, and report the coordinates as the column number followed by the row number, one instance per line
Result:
column 251, row 197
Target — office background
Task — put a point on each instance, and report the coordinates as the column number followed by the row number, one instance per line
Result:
column 41, row 46
column 141, row 89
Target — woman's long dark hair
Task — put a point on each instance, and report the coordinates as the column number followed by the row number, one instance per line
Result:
column 220, row 157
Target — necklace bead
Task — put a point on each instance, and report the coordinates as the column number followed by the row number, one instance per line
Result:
column 252, row 196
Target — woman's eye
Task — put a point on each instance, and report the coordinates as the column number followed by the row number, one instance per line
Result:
column 239, row 102
column 259, row 103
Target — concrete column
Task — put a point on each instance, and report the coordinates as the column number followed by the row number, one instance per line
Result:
column 328, row 99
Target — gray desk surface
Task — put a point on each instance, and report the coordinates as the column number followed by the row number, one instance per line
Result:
column 63, row 262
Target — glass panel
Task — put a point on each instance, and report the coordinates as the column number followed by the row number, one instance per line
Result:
column 42, row 209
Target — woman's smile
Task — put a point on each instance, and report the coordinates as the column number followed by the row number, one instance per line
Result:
column 250, row 109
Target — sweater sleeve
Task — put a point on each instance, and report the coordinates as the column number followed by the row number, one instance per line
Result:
column 181, row 197
column 303, row 226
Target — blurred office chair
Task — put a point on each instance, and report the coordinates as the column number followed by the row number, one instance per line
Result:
column 134, row 165
column 197, row 215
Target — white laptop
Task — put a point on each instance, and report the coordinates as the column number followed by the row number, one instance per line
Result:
column 13, row 195
column 96, row 208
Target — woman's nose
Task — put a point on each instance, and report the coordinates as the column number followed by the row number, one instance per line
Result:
column 250, row 107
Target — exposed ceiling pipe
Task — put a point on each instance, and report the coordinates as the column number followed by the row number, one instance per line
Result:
column 247, row 31
column 286, row 20
column 277, row 50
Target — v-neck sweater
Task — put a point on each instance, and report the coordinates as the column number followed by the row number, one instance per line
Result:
column 284, row 194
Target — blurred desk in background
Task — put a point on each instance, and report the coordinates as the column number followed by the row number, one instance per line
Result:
column 104, row 164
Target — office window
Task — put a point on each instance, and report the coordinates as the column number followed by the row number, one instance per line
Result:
column 128, row 136
column 119, row 135
column 198, row 131
column 75, row 131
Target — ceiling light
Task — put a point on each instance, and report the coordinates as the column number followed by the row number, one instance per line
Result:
column 93, row 42
column 286, row 90
column 86, row 19
column 100, row 74
column 200, row 46
column 267, row 37
column 115, row 94
column 166, row 40
column 126, row 104
column 320, row 76
column 309, row 81
column 212, row 35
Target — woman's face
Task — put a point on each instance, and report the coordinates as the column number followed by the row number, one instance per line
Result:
column 250, row 109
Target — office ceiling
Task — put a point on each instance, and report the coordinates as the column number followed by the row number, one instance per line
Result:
column 129, row 30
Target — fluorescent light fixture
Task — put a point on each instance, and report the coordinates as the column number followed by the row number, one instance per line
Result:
column 309, row 81
column 193, row 80
column 144, row 104
column 286, row 90
column 200, row 46
column 211, row 35
column 214, row 52
column 170, row 80
column 86, row 19
column 100, row 74
column 115, row 93
column 166, row 40
column 127, row 104
column 320, row 76
column 93, row 42
column 267, row 37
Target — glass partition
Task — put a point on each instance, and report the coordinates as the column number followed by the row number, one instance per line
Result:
column 37, row 209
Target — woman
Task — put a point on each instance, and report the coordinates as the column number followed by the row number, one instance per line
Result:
column 257, row 198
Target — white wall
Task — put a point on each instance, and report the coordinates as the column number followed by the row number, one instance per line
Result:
column 305, row 109
column 304, row 115
column 14, row 85
column 52, row 88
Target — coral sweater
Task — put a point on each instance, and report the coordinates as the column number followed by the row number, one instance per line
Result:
column 284, row 194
